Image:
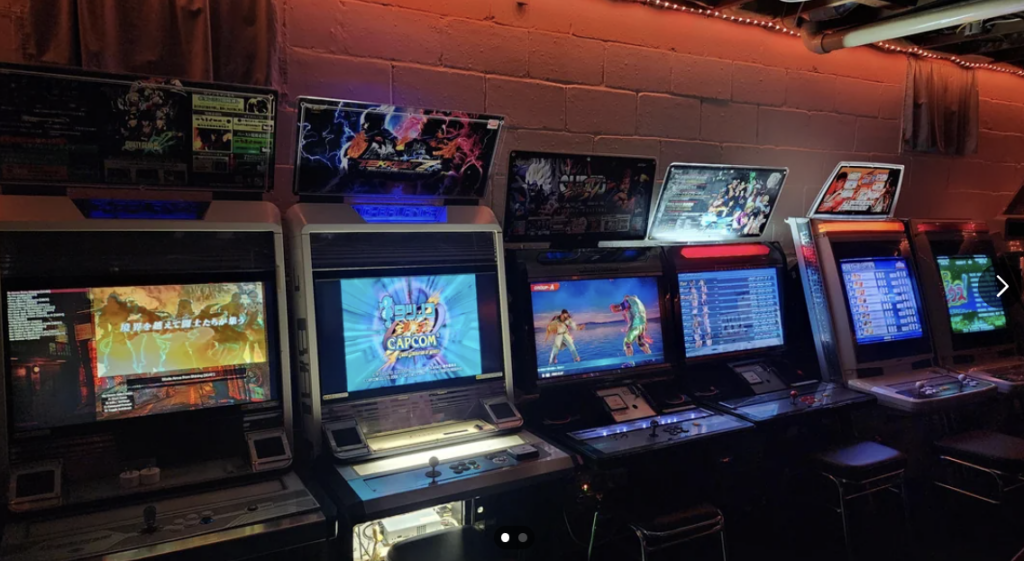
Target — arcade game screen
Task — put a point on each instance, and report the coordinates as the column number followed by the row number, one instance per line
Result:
column 589, row 326
column 79, row 355
column 705, row 202
column 868, row 192
column 379, row 334
column 730, row 311
column 882, row 299
column 962, row 279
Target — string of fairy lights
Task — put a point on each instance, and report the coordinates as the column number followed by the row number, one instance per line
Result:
column 772, row 26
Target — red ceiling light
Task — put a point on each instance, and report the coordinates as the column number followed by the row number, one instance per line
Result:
column 724, row 250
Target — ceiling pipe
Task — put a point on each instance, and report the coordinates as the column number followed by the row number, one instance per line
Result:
column 912, row 24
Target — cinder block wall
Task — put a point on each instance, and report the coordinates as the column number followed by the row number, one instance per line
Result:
column 613, row 77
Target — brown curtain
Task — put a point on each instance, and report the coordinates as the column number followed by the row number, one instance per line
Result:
column 221, row 40
column 940, row 112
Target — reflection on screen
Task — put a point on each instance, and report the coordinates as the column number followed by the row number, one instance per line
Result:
column 80, row 355
column 588, row 326
column 882, row 299
column 730, row 311
column 963, row 281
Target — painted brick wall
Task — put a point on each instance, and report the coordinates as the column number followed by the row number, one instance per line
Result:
column 611, row 77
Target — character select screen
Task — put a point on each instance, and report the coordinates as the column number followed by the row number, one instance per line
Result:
column 586, row 326
column 963, row 280
column 407, row 330
column 79, row 355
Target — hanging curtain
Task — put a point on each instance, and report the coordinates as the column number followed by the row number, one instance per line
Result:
column 940, row 112
column 208, row 40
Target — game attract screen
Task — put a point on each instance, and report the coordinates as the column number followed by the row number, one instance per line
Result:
column 882, row 299
column 730, row 311
column 79, row 355
column 588, row 326
column 377, row 334
column 706, row 202
column 863, row 191
column 963, row 281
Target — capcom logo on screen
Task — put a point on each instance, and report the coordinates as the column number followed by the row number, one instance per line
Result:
column 413, row 328
column 410, row 330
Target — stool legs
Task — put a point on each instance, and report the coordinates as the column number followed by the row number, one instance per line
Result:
column 887, row 481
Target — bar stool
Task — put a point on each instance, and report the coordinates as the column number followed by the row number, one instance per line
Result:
column 462, row 543
column 859, row 470
column 997, row 458
column 672, row 529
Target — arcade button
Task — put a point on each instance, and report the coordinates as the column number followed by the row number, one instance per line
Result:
column 472, row 462
column 206, row 517
column 252, row 508
column 995, row 289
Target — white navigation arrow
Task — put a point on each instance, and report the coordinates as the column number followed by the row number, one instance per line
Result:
column 1005, row 286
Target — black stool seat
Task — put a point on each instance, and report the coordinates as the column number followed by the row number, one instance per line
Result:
column 464, row 543
column 991, row 450
column 667, row 522
column 861, row 461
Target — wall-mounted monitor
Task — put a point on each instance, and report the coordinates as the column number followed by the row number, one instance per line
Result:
column 78, row 355
column 730, row 311
column 859, row 191
column 701, row 202
column 577, row 197
column 589, row 327
column 382, row 333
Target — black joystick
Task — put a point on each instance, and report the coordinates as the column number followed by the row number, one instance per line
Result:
column 963, row 379
column 149, row 519
column 654, row 428
column 433, row 474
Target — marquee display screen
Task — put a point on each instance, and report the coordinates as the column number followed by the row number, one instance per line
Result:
column 882, row 299
column 730, row 311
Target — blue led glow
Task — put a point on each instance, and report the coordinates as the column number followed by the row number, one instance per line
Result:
column 402, row 214
column 559, row 255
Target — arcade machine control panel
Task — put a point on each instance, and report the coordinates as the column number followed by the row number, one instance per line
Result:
column 598, row 351
column 928, row 390
column 165, row 526
column 738, row 360
column 382, row 486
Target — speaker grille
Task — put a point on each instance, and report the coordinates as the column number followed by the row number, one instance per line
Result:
column 369, row 250
column 88, row 253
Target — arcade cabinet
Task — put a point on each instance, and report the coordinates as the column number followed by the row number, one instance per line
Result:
column 730, row 295
column 595, row 352
column 400, row 320
column 864, row 297
column 964, row 293
column 148, row 402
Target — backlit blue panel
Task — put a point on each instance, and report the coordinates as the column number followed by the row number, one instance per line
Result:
column 402, row 214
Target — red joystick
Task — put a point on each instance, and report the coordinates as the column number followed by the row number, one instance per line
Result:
column 792, row 397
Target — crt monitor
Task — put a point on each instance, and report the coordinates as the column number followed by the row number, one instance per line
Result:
column 882, row 299
column 85, row 354
column 591, row 327
column 730, row 311
column 384, row 332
